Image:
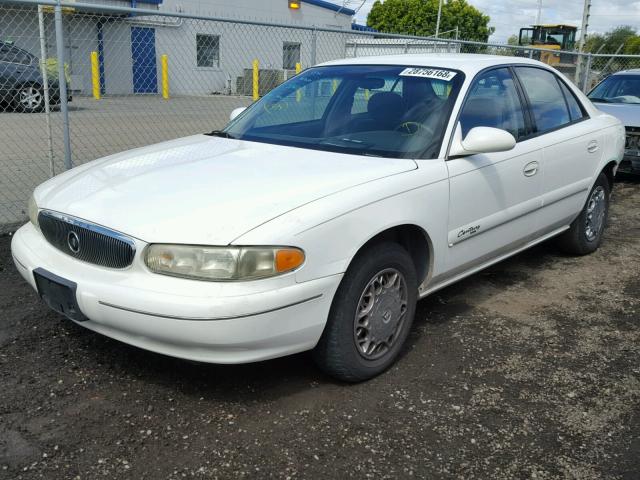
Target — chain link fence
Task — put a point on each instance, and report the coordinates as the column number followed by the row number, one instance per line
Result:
column 81, row 81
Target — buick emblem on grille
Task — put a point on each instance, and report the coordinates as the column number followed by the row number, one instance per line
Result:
column 73, row 241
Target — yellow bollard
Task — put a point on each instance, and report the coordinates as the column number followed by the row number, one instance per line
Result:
column 299, row 91
column 95, row 75
column 164, row 60
column 256, row 80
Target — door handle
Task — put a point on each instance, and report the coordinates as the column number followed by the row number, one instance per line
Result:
column 530, row 169
column 593, row 146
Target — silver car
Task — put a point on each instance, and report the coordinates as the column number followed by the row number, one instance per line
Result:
column 619, row 95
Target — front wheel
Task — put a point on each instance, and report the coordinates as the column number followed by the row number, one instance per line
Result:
column 370, row 316
column 585, row 234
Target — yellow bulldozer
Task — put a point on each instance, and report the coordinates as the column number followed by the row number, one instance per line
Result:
column 550, row 37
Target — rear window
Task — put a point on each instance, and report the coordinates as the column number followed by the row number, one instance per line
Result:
column 575, row 110
column 14, row 55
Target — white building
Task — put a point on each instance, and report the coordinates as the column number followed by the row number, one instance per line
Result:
column 204, row 57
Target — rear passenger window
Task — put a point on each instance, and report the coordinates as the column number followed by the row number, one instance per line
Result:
column 493, row 102
column 574, row 106
column 14, row 55
column 547, row 101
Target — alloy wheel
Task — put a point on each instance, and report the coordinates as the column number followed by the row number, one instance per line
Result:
column 30, row 98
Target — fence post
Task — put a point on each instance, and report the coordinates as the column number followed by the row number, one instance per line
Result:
column 576, row 76
column 313, row 47
column 62, row 82
column 45, row 85
column 587, row 72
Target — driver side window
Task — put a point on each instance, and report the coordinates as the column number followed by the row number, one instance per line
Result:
column 493, row 101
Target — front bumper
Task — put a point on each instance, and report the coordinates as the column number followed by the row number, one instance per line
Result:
column 203, row 321
column 631, row 159
column 630, row 164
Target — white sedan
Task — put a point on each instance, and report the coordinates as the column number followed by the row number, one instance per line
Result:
column 320, row 215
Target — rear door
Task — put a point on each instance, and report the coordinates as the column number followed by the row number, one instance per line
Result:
column 5, row 70
column 17, row 67
column 572, row 145
column 493, row 196
column 9, row 68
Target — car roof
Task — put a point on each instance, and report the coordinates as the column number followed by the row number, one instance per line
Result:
column 631, row 71
column 11, row 45
column 469, row 63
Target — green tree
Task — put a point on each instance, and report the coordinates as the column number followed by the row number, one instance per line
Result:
column 418, row 17
column 513, row 40
column 632, row 47
column 611, row 40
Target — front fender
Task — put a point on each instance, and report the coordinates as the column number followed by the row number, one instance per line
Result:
column 331, row 230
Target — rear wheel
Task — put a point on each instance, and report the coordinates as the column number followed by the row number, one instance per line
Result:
column 29, row 99
column 370, row 316
column 585, row 234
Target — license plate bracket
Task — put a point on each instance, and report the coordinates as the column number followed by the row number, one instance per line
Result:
column 59, row 294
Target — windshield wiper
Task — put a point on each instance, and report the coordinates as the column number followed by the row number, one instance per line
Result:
column 598, row 99
column 220, row 133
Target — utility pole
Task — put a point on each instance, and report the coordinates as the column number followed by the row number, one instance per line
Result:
column 583, row 38
column 585, row 24
column 438, row 20
column 539, row 15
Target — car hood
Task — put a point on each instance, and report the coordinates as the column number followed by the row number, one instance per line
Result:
column 627, row 113
column 205, row 190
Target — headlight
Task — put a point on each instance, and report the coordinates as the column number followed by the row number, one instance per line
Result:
column 222, row 263
column 33, row 211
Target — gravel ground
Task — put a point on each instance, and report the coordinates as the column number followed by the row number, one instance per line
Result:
column 529, row 369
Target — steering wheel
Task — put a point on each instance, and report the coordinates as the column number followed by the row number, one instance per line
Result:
column 274, row 107
column 408, row 129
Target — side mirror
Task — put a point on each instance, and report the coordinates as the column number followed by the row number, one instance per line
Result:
column 481, row 140
column 236, row 111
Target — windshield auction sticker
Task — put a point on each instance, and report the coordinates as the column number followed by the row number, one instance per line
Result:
column 446, row 75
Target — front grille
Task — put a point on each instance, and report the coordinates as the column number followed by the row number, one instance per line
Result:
column 86, row 241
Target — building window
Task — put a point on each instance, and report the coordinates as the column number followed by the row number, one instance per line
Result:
column 290, row 55
column 208, row 50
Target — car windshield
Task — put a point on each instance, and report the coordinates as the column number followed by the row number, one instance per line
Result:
column 387, row 111
column 617, row 89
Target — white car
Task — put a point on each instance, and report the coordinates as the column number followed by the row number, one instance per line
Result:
column 320, row 215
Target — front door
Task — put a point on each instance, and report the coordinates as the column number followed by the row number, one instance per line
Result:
column 143, row 55
column 493, row 196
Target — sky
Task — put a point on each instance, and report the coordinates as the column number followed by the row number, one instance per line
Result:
column 509, row 17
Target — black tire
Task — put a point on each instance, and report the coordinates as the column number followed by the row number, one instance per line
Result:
column 33, row 91
column 577, row 240
column 337, row 352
